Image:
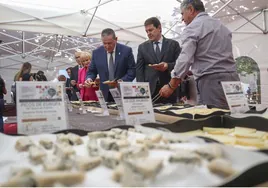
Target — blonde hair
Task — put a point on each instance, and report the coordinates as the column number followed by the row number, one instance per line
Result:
column 25, row 68
column 85, row 55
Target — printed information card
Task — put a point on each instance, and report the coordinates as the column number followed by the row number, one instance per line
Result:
column 235, row 97
column 137, row 103
column 41, row 107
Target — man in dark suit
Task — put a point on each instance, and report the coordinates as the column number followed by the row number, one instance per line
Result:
column 112, row 61
column 74, row 76
column 156, row 59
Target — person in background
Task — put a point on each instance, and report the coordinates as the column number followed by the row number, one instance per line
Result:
column 74, row 75
column 3, row 92
column 207, row 49
column 61, row 78
column 40, row 76
column 87, row 93
column 156, row 59
column 25, row 70
column 24, row 73
column 112, row 61
column 68, row 86
column 26, row 77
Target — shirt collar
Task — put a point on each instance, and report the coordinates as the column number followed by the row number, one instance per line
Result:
column 201, row 14
column 160, row 40
column 113, row 50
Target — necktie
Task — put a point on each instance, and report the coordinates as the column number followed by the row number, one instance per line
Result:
column 157, row 51
column 111, row 67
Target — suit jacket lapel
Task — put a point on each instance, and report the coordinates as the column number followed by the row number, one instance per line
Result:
column 117, row 58
column 105, row 61
column 164, row 48
column 152, row 52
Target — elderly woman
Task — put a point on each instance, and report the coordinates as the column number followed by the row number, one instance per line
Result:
column 87, row 93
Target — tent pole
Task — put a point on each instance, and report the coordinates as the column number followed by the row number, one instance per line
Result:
column 85, row 34
column 7, row 50
column 247, row 32
column 220, row 9
column 41, row 45
column 247, row 21
column 105, row 2
column 265, row 21
column 23, row 45
column 243, row 16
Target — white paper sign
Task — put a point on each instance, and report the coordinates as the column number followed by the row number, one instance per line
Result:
column 118, row 100
column 137, row 103
column 81, row 103
column 41, row 107
column 235, row 97
column 102, row 102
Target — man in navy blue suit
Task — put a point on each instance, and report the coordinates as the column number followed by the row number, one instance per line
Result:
column 112, row 61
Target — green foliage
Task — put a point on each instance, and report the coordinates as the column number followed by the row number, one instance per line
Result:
column 246, row 65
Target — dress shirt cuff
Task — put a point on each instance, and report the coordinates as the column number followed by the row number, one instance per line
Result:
column 177, row 75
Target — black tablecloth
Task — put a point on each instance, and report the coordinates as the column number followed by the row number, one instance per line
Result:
column 90, row 122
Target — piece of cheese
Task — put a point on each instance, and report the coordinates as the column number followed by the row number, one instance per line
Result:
column 243, row 130
column 211, row 130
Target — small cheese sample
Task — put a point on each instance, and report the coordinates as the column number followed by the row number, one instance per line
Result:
column 67, row 178
column 46, row 143
column 37, row 154
column 20, row 172
column 85, row 163
column 23, row 144
column 21, row 181
column 148, row 168
column 113, row 144
column 221, row 167
column 93, row 148
column 210, row 151
column 55, row 163
column 74, row 139
column 112, row 158
column 226, row 139
column 63, row 150
column 255, row 142
column 211, row 130
column 134, row 152
column 62, row 138
column 243, row 130
column 118, row 173
column 184, row 156
column 96, row 134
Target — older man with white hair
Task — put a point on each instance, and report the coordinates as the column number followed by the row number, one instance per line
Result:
column 207, row 49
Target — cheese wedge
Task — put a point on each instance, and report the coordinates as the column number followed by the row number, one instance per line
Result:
column 255, row 142
column 211, row 130
column 242, row 130
column 225, row 139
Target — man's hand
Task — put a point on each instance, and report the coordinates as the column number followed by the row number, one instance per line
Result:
column 163, row 66
column 81, row 86
column 113, row 84
column 166, row 91
column 169, row 88
column 73, row 82
column 89, row 83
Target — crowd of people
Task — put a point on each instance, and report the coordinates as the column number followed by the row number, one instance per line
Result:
column 205, row 52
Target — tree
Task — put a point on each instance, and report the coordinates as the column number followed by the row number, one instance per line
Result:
column 246, row 65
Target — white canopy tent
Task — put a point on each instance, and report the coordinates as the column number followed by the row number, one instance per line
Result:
column 65, row 24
